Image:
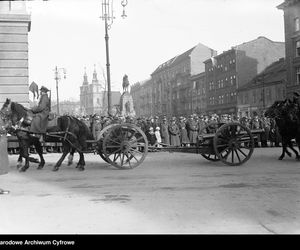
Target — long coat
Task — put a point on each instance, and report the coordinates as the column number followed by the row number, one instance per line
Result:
column 40, row 115
column 164, row 132
column 174, row 134
column 193, row 130
column 183, row 133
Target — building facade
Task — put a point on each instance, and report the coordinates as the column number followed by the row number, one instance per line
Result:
column 291, row 9
column 171, row 81
column 232, row 69
column 14, row 76
column 263, row 90
column 141, row 93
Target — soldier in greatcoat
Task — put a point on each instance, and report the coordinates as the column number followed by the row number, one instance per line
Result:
column 164, row 131
column 256, row 124
column 174, row 133
column 40, row 113
column 193, row 130
column 184, row 139
column 265, row 135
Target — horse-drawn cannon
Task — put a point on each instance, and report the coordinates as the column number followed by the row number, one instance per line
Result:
column 125, row 145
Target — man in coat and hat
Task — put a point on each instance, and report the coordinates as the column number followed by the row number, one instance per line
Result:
column 40, row 113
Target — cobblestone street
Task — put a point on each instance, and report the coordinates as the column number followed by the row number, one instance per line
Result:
column 168, row 193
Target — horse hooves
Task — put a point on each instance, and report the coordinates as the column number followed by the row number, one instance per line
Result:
column 55, row 169
column 40, row 167
column 80, row 168
column 22, row 169
column 280, row 158
column 70, row 163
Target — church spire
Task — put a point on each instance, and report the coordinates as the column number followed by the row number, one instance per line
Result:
column 95, row 80
column 85, row 79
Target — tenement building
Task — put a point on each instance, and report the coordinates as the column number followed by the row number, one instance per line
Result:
column 291, row 10
column 14, row 27
column 263, row 90
column 232, row 69
column 172, row 88
column 142, row 98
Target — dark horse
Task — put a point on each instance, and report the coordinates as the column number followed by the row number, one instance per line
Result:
column 12, row 113
column 283, row 112
column 72, row 132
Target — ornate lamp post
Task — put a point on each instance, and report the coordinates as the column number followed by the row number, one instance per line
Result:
column 108, row 17
column 57, row 77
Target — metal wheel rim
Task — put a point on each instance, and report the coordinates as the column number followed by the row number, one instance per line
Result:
column 233, row 144
column 125, row 146
column 211, row 157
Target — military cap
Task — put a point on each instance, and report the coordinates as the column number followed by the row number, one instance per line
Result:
column 44, row 89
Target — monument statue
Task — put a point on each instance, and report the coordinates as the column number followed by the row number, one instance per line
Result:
column 126, row 100
column 125, row 83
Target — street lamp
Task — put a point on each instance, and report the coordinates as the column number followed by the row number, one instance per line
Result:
column 57, row 77
column 108, row 17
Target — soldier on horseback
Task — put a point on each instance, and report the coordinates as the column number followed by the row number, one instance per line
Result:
column 40, row 113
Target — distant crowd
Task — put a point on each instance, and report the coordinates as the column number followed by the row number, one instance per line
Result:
column 184, row 131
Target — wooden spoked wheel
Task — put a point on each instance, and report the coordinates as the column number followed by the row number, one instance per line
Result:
column 125, row 146
column 210, row 128
column 233, row 144
column 100, row 141
column 211, row 157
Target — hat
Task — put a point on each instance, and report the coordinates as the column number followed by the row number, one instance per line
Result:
column 44, row 89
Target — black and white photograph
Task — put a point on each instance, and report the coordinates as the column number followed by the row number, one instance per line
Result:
column 149, row 117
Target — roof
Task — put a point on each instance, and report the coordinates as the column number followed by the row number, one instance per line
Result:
column 287, row 3
column 274, row 73
column 174, row 60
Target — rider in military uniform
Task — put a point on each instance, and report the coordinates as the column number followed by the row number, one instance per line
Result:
column 40, row 113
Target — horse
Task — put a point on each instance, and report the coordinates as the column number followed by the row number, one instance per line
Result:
column 75, row 134
column 12, row 113
column 282, row 113
column 72, row 132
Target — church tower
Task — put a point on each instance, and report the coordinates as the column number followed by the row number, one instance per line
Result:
column 91, row 95
column 84, row 94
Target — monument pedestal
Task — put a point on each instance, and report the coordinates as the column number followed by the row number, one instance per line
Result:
column 126, row 105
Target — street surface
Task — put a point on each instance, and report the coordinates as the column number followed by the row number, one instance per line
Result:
column 169, row 193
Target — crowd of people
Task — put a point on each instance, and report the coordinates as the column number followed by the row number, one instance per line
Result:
column 184, row 131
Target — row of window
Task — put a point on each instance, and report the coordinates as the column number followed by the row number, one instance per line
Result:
column 222, row 99
column 228, row 81
column 224, row 67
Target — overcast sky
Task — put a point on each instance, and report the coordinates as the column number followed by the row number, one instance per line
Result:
column 70, row 34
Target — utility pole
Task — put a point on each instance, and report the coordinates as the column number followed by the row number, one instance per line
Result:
column 108, row 17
